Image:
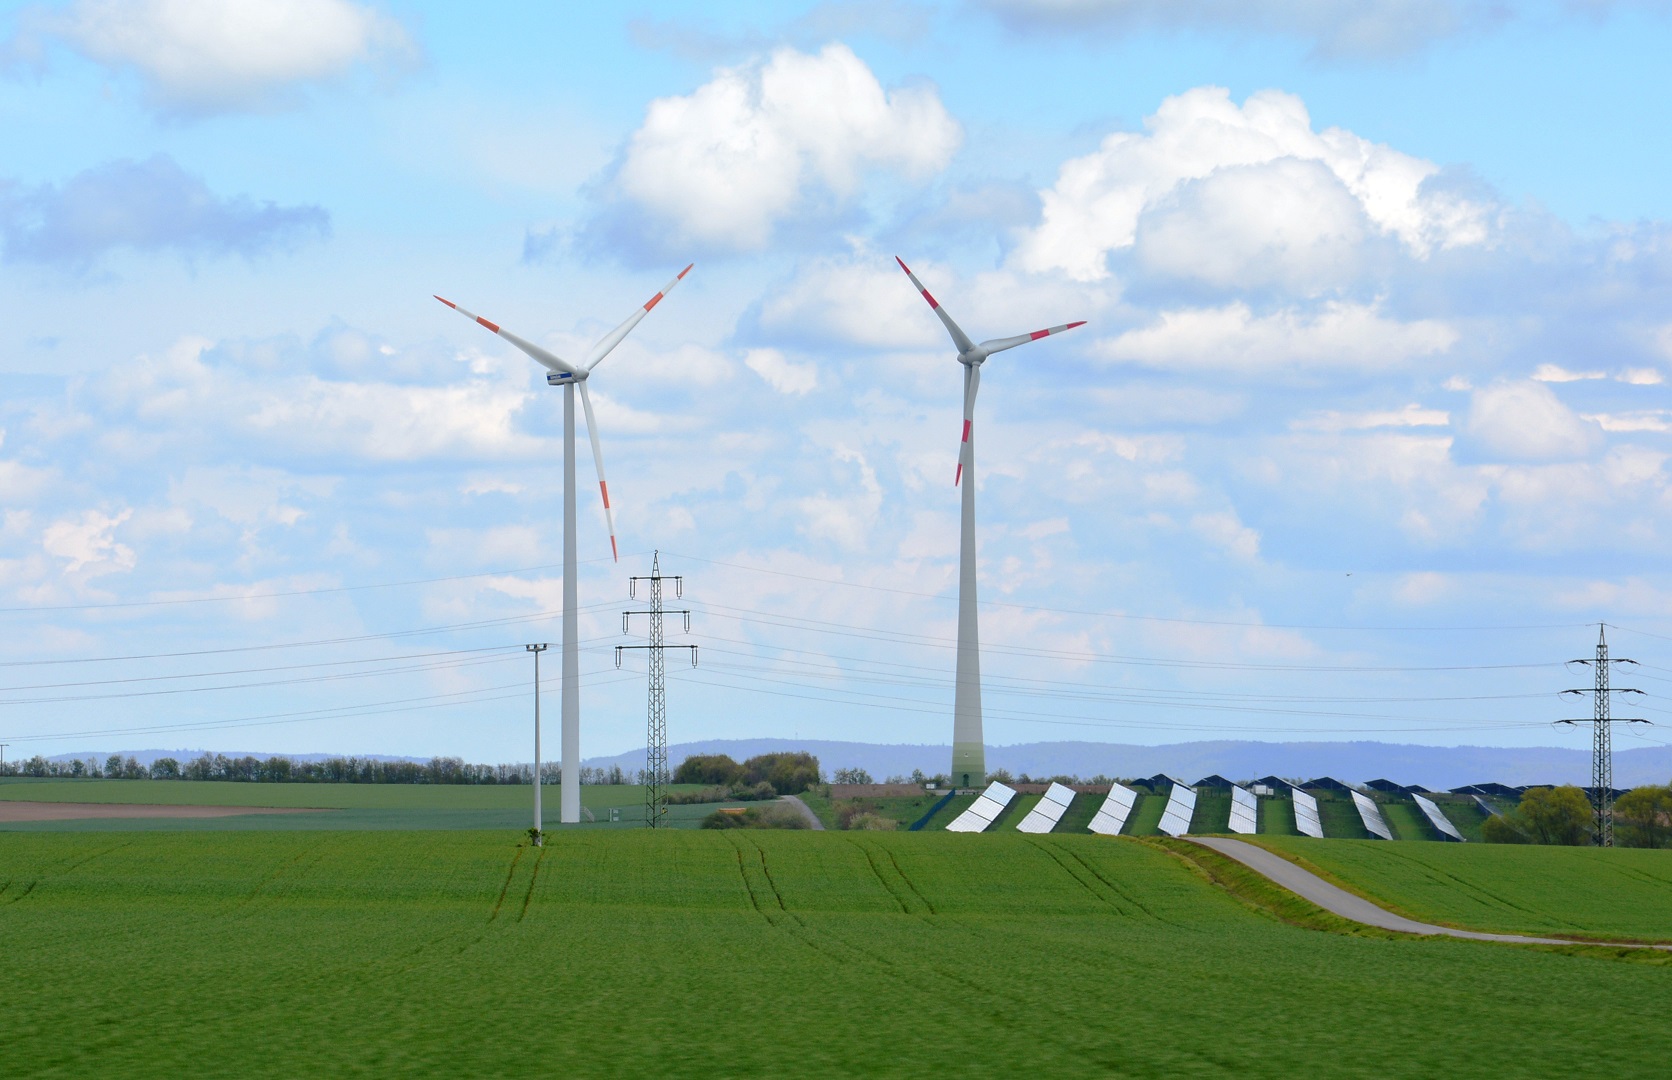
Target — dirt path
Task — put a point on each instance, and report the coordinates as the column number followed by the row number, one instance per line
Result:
column 1309, row 886
column 813, row 821
column 11, row 810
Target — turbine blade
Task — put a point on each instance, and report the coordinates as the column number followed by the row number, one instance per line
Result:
column 972, row 385
column 1001, row 344
column 539, row 355
column 959, row 338
column 598, row 460
column 613, row 338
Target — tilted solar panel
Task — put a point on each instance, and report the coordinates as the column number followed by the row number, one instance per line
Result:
column 1110, row 818
column 1306, row 814
column 984, row 809
column 1048, row 811
column 1371, row 815
column 1181, row 807
column 1437, row 818
column 1245, row 811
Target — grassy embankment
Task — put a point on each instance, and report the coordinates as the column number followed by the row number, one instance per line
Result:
column 1213, row 812
column 1339, row 816
column 702, row 954
column 1276, row 816
column 1623, row 893
column 1145, row 818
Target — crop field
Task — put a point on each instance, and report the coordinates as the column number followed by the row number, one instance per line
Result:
column 691, row 953
column 350, row 806
column 1620, row 892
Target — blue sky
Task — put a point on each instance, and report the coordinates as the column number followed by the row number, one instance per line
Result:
column 1370, row 416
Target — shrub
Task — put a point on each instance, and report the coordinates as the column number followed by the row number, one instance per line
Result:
column 854, row 775
column 708, row 769
column 1644, row 815
column 873, row 822
column 764, row 817
column 1558, row 815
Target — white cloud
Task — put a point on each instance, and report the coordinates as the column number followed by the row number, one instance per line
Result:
column 89, row 541
column 844, row 520
column 1554, row 374
column 1409, row 416
column 1640, row 377
column 205, row 55
column 1225, row 530
column 1526, row 421
column 1339, row 335
column 779, row 373
column 1644, row 420
column 726, row 164
column 1210, row 160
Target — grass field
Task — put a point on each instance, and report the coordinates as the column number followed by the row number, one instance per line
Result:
column 1406, row 821
column 1078, row 816
column 351, row 806
column 746, row 954
column 1619, row 892
column 1339, row 817
column 1466, row 814
column 1276, row 816
column 1145, row 818
column 1213, row 812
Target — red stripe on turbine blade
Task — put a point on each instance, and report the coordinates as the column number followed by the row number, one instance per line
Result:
column 1037, row 334
column 959, row 475
column 929, row 298
column 1072, row 325
column 491, row 326
column 446, row 301
column 605, row 489
column 683, row 272
column 653, row 301
column 902, row 263
column 616, row 554
column 966, row 431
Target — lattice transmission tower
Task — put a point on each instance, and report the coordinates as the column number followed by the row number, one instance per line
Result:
column 1602, row 741
column 656, row 737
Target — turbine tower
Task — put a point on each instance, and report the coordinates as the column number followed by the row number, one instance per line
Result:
column 969, row 753
column 562, row 373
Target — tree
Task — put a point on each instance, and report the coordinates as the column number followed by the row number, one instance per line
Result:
column 854, row 775
column 165, row 768
column 788, row 773
column 710, row 769
column 1644, row 815
column 1547, row 815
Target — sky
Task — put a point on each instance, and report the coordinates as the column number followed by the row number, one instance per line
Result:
column 1366, row 431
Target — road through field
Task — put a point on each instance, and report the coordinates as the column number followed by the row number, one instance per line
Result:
column 1338, row 901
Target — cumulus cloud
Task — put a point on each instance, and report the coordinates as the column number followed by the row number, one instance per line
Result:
column 1410, row 416
column 214, row 55
column 1242, row 194
column 779, row 373
column 726, row 165
column 89, row 541
column 1226, row 531
column 1341, row 335
column 1526, row 421
column 1332, row 27
column 144, row 206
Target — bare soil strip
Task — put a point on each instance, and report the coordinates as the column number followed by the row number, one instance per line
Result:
column 64, row 811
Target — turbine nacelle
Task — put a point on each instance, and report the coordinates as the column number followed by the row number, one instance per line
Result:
column 561, row 378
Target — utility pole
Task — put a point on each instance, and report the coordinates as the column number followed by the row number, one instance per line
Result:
column 1602, row 744
column 539, row 825
column 656, row 738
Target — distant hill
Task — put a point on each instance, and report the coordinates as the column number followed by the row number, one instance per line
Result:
column 1438, row 767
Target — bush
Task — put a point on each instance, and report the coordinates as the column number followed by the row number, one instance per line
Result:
column 765, row 817
column 1559, row 815
column 873, row 822
column 1644, row 816
column 854, row 775
column 788, row 773
column 708, row 769
column 707, row 794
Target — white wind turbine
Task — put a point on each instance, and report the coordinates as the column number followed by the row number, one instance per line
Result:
column 969, row 755
column 567, row 375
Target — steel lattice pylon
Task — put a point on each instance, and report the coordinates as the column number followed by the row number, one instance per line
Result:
column 1602, row 738
column 656, row 734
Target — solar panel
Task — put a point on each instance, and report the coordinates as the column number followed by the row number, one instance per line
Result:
column 1245, row 810
column 1437, row 818
column 1306, row 814
column 1048, row 811
column 1371, row 815
column 983, row 810
column 1181, row 806
column 1111, row 816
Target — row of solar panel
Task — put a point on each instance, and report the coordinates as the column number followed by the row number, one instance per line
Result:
column 1181, row 807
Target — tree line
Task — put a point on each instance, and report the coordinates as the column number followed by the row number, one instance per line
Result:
column 334, row 770
column 1564, row 816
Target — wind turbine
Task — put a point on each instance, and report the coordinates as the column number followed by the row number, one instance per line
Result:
column 567, row 375
column 969, row 754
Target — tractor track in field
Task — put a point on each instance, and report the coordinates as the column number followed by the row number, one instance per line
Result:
column 876, row 871
column 503, row 889
column 533, row 876
column 1052, row 850
column 277, row 872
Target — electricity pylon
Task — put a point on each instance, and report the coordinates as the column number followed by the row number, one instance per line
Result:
column 656, row 738
column 1602, row 742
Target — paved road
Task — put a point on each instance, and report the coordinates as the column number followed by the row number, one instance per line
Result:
column 813, row 821
column 1310, row 886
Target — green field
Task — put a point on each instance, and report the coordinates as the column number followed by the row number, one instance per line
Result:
column 1276, row 816
column 690, row 953
column 1145, row 818
column 1406, row 820
column 1619, row 892
column 1339, row 817
column 346, row 806
column 1077, row 818
column 1213, row 812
